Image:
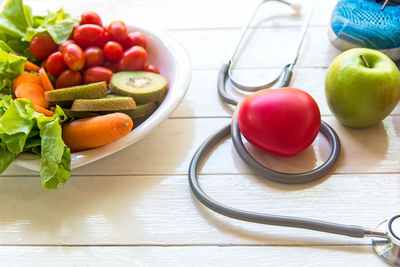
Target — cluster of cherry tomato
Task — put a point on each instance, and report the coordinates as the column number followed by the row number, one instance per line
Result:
column 93, row 53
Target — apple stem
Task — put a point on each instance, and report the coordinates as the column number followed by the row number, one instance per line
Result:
column 364, row 61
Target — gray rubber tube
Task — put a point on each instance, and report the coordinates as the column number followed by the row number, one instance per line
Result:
column 288, row 178
column 270, row 219
column 284, row 80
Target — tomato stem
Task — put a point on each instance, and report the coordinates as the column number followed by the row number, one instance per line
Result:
column 364, row 61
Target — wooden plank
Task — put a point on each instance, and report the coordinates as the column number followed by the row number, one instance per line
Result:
column 208, row 50
column 146, row 210
column 171, row 146
column 181, row 15
column 189, row 256
column 202, row 99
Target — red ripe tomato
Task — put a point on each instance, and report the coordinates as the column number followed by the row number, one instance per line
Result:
column 104, row 39
column 55, row 64
column 42, row 45
column 133, row 59
column 151, row 68
column 64, row 44
column 97, row 74
column 90, row 17
column 74, row 57
column 69, row 78
column 113, row 50
column 112, row 65
column 282, row 122
column 135, row 38
column 117, row 30
column 93, row 56
column 89, row 35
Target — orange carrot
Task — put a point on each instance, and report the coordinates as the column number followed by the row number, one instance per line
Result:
column 32, row 92
column 28, row 65
column 44, row 111
column 26, row 77
column 31, row 67
column 87, row 133
column 45, row 80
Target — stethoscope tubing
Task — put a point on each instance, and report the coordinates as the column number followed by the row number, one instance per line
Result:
column 270, row 219
column 288, row 178
column 232, row 129
column 261, row 218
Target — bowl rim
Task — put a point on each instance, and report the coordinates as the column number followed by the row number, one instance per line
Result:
column 182, row 78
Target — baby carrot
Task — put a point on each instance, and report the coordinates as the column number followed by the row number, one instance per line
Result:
column 31, row 67
column 45, row 80
column 87, row 133
column 32, row 92
column 44, row 111
column 26, row 77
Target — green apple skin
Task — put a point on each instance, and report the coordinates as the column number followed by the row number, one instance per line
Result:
column 361, row 96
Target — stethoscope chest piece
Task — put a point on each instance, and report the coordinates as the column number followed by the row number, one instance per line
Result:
column 389, row 248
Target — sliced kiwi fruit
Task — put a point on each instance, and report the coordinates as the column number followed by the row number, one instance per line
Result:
column 69, row 94
column 79, row 114
column 145, row 110
column 144, row 87
column 108, row 103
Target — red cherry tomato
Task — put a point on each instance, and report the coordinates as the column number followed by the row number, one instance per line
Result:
column 89, row 35
column 117, row 30
column 133, row 59
column 97, row 74
column 64, row 44
column 69, row 78
column 42, row 45
column 55, row 64
column 90, row 17
column 112, row 65
column 135, row 38
column 74, row 57
column 282, row 122
column 104, row 39
column 151, row 68
column 113, row 50
column 93, row 56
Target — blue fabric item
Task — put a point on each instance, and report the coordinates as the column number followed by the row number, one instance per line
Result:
column 361, row 22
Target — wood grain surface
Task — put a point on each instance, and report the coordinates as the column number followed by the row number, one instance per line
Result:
column 135, row 207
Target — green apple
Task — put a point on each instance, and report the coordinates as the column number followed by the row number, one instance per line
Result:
column 362, row 87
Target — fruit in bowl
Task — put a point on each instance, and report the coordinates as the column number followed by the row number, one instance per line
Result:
column 73, row 79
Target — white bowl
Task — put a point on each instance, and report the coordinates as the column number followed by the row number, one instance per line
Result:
column 173, row 62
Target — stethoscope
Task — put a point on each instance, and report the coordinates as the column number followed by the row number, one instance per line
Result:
column 385, row 238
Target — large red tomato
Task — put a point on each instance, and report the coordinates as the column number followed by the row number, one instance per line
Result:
column 282, row 122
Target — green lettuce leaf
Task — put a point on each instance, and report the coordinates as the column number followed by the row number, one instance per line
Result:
column 20, row 128
column 59, row 25
column 15, row 18
column 10, row 67
column 18, row 26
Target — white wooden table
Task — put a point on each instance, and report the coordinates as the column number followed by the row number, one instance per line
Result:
column 135, row 207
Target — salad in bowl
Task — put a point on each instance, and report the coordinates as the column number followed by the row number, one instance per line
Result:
column 74, row 90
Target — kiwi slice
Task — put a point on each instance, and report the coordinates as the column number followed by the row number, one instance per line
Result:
column 145, row 110
column 108, row 103
column 79, row 114
column 144, row 87
column 69, row 94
